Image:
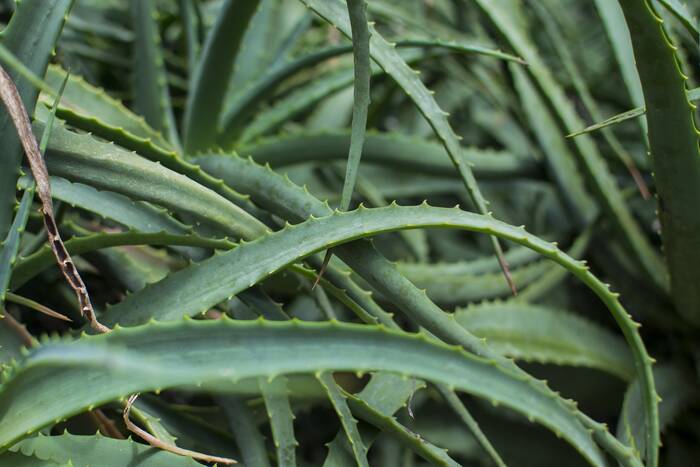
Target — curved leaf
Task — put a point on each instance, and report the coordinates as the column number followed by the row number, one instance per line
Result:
column 126, row 361
column 536, row 333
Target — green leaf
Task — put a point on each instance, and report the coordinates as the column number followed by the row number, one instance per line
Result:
column 85, row 102
column 126, row 361
column 151, row 94
column 545, row 335
column 413, row 441
column 31, row 36
column 84, row 451
column 289, row 201
column 618, row 34
column 211, row 76
column 504, row 15
column 676, row 391
column 389, row 149
column 693, row 96
column 676, row 161
column 357, row 11
column 250, row 442
column 83, row 159
column 247, row 101
column 281, row 417
column 389, row 59
column 347, row 421
column 680, row 11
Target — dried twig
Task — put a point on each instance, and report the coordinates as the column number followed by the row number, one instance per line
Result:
column 157, row 443
column 18, row 113
column 105, row 424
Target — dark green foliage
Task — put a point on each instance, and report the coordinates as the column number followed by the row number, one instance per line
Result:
column 206, row 153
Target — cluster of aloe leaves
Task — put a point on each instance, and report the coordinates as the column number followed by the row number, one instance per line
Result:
column 373, row 232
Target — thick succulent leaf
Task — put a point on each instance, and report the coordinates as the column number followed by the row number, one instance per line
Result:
column 676, row 160
column 693, row 96
column 289, row 201
column 347, row 421
column 388, row 58
column 618, row 34
column 84, row 451
column 680, row 11
column 41, row 21
column 81, row 158
column 537, row 333
column 247, row 101
column 151, row 94
column 84, row 102
column 194, row 289
column 390, row 149
column 32, row 265
column 211, row 76
column 276, row 396
column 413, row 441
column 676, row 391
column 357, row 11
column 10, row 246
column 250, row 442
column 561, row 163
column 504, row 14
column 125, row 361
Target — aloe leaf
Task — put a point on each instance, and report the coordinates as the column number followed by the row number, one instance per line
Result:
column 387, row 57
column 87, row 102
column 192, row 290
column 676, row 391
column 545, row 335
column 458, row 289
column 236, row 115
column 413, row 441
column 503, row 14
column 454, row 401
column 82, row 158
column 390, row 149
column 357, row 11
column 10, row 246
column 618, row 34
column 170, row 189
column 192, row 28
column 110, row 368
column 557, row 39
column 248, row 438
column 279, row 412
column 285, row 199
column 151, row 94
column 211, row 76
column 693, row 96
column 13, row 336
column 30, row 266
column 94, row 450
column 561, row 163
column 676, row 160
column 20, row 460
column 680, row 11
column 42, row 20
column 516, row 257
column 348, row 422
column 386, row 393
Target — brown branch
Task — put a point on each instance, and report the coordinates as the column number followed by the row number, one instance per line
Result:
column 13, row 102
column 157, row 443
column 105, row 424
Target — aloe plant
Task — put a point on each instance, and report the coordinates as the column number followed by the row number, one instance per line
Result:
column 279, row 214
